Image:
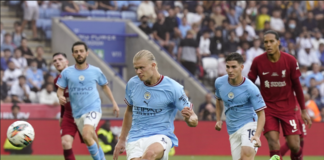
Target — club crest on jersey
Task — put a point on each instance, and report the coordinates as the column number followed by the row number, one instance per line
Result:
column 267, row 84
column 147, row 95
column 283, row 73
column 81, row 78
column 230, row 95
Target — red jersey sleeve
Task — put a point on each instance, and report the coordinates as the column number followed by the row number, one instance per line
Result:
column 253, row 73
column 294, row 67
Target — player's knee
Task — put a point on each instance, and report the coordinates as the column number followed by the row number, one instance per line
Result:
column 247, row 153
column 294, row 147
column 273, row 142
column 66, row 143
column 149, row 154
column 87, row 136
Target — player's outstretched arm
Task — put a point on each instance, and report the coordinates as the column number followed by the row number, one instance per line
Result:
column 127, row 124
column 60, row 96
column 260, row 125
column 219, row 112
column 190, row 117
column 108, row 92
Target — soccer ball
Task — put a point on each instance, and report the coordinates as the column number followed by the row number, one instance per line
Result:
column 20, row 134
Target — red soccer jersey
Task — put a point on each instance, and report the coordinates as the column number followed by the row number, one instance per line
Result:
column 276, row 81
column 67, row 106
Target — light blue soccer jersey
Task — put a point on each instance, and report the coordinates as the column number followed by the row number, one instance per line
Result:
column 154, row 107
column 241, row 102
column 84, row 96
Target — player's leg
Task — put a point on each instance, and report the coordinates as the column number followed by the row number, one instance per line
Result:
column 67, row 141
column 248, row 151
column 157, row 147
column 86, row 136
column 135, row 150
column 68, row 130
column 271, row 132
column 89, row 134
column 235, row 141
column 284, row 149
column 95, row 137
column 292, row 131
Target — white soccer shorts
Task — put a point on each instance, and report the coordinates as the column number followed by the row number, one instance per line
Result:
column 137, row 148
column 91, row 118
column 242, row 138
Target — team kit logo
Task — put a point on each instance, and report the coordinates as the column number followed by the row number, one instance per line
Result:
column 230, row 95
column 147, row 95
column 81, row 79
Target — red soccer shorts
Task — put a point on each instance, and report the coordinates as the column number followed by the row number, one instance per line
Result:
column 302, row 126
column 68, row 127
column 289, row 123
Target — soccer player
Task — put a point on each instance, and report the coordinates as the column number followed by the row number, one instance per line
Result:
column 82, row 79
column 152, row 103
column 244, row 109
column 68, row 127
column 279, row 77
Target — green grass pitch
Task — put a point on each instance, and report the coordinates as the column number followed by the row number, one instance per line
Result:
column 49, row 157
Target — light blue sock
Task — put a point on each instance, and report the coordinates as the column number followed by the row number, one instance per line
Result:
column 94, row 151
column 102, row 154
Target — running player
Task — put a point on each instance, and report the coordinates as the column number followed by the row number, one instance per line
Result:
column 68, row 127
column 279, row 77
column 244, row 109
column 152, row 103
column 82, row 80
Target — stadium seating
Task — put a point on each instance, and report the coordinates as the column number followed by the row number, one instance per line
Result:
column 12, row 3
column 50, row 13
column 47, row 24
column 98, row 13
column 113, row 14
column 41, row 13
column 129, row 15
column 48, row 34
column 85, row 13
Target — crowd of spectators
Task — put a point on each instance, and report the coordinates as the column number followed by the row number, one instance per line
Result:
column 25, row 75
column 197, row 34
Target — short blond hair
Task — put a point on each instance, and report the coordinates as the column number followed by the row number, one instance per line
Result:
column 145, row 53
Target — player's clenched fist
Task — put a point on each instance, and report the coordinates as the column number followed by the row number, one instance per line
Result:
column 62, row 100
column 186, row 112
column 218, row 125
column 119, row 149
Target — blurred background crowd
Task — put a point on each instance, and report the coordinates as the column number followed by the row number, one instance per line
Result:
column 197, row 34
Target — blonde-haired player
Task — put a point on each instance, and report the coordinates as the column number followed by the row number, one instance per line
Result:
column 152, row 103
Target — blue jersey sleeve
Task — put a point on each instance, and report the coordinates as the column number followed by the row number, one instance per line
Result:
column 256, row 99
column 128, row 92
column 62, row 80
column 102, row 80
column 217, row 94
column 180, row 99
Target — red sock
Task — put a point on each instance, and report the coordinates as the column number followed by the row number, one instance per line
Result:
column 284, row 149
column 275, row 152
column 298, row 155
column 68, row 154
column 301, row 148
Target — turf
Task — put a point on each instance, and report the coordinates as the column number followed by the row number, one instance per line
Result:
column 49, row 157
